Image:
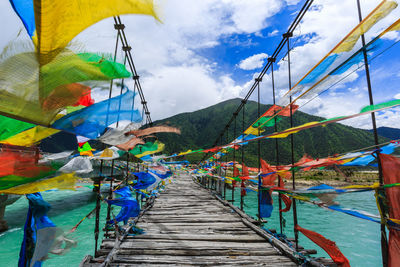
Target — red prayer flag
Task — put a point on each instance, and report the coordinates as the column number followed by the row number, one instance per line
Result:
column 130, row 144
column 66, row 95
column 245, row 172
column 287, row 201
column 215, row 149
column 391, row 175
column 235, row 171
column 320, row 163
column 153, row 130
column 20, row 164
column 286, row 111
column 270, row 179
column 328, row 245
column 234, row 183
column 86, row 100
column 243, row 189
column 271, row 111
column 303, row 160
column 265, row 167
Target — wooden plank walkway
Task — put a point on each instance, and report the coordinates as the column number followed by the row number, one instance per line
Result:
column 187, row 226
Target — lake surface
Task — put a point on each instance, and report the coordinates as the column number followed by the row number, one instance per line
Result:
column 357, row 239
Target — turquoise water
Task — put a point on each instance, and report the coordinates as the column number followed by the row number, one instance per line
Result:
column 68, row 208
column 357, row 239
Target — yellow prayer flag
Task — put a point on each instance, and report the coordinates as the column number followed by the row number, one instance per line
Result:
column 160, row 148
column 107, row 153
column 184, row 153
column 63, row 182
column 59, row 21
column 373, row 186
column 30, row 137
column 293, row 130
column 253, row 130
column 383, row 9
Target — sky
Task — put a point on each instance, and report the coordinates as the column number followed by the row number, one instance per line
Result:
column 208, row 51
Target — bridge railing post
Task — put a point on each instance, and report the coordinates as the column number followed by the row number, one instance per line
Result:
column 224, row 189
column 221, row 188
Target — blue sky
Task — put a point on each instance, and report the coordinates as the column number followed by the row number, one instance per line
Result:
column 235, row 47
column 209, row 51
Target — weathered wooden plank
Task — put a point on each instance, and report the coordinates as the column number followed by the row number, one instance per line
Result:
column 238, row 233
column 204, row 261
column 190, row 212
column 188, row 244
column 174, row 205
column 185, row 265
column 192, row 220
column 196, row 224
column 189, row 216
column 191, row 252
column 201, row 259
column 213, row 237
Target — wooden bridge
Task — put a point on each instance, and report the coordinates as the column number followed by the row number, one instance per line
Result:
column 188, row 226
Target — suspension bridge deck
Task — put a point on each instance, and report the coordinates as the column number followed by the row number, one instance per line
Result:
column 187, row 226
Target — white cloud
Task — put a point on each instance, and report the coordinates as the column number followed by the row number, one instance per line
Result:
column 273, row 33
column 397, row 96
column 170, row 94
column 292, row 2
column 253, row 62
column 250, row 16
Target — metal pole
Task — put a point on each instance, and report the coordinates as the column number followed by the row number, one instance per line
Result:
column 108, row 110
column 97, row 221
column 226, row 159
column 110, row 193
column 384, row 243
column 241, row 189
column 234, row 161
column 127, row 165
column 296, row 233
column 272, row 60
column 258, row 80
column 98, row 184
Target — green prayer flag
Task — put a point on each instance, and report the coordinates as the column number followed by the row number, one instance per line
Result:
column 10, row 127
column 266, row 122
column 86, row 147
column 381, row 105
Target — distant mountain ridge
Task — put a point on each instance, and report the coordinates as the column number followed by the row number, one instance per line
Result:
column 201, row 128
column 388, row 132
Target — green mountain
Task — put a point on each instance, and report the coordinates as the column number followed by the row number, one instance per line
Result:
column 388, row 132
column 201, row 128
